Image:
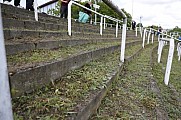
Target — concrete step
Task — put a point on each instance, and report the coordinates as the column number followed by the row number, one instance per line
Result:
column 18, row 46
column 74, row 91
column 9, row 23
column 44, row 62
column 10, row 34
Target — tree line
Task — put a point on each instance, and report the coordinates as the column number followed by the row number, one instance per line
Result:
column 104, row 9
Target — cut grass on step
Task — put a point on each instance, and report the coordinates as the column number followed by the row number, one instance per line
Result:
column 68, row 95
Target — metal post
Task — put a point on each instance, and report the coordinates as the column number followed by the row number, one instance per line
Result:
column 179, row 50
column 152, row 37
column 95, row 14
column 36, row 11
column 169, row 62
column 144, row 35
column 69, row 19
column 158, row 37
column 136, row 31
column 104, row 23
column 5, row 97
column 140, row 26
column 149, row 33
column 101, row 25
column 117, row 29
column 160, row 48
column 123, row 43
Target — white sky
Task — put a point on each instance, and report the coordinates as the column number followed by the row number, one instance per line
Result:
column 152, row 12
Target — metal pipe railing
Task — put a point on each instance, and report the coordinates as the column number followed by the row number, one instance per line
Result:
column 102, row 17
column 121, row 13
column 69, row 15
column 35, row 10
column 5, row 97
column 162, row 42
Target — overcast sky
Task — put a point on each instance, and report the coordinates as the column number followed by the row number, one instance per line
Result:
column 157, row 12
column 152, row 12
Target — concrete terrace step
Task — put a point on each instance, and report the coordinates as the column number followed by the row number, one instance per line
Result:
column 74, row 91
column 14, row 33
column 61, row 25
column 22, row 46
column 21, row 14
column 24, row 77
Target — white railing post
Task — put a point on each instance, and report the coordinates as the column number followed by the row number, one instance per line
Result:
column 5, row 97
column 123, row 41
column 169, row 62
column 104, row 23
column 117, row 29
column 101, row 25
column 160, row 48
column 158, row 37
column 152, row 36
column 36, row 11
column 179, row 50
column 149, row 33
column 144, row 35
column 136, row 34
column 141, row 31
column 69, row 19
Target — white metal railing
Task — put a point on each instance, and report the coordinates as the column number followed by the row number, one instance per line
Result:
column 123, row 43
column 179, row 50
column 163, row 40
column 101, row 22
column 69, row 15
column 113, row 19
column 169, row 59
column 148, row 33
column 35, row 10
column 5, row 97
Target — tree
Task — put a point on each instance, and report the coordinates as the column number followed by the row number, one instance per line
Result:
column 104, row 9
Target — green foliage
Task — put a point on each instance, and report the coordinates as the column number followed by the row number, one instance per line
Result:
column 104, row 9
column 176, row 29
column 55, row 11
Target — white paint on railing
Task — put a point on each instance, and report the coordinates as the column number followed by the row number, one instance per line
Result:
column 123, row 43
column 117, row 29
column 104, row 23
column 169, row 61
column 69, row 18
column 179, row 50
column 152, row 37
column 160, row 48
column 101, row 25
column 141, row 32
column 158, row 37
column 36, row 11
column 144, row 36
column 149, row 33
column 117, row 22
column 5, row 97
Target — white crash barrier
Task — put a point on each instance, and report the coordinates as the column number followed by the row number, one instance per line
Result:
column 160, row 48
column 149, row 33
column 169, row 62
column 144, row 37
column 179, row 50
